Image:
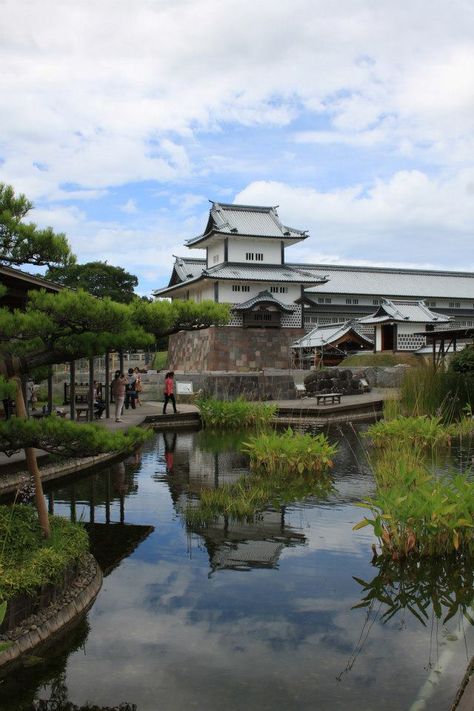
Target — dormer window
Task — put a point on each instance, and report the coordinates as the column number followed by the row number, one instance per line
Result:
column 254, row 256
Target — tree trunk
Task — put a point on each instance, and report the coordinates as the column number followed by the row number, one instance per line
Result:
column 32, row 466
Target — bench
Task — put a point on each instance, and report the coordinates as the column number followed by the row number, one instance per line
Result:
column 82, row 411
column 328, row 398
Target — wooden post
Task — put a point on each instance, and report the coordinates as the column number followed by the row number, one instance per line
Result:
column 72, row 390
column 107, row 384
column 91, row 390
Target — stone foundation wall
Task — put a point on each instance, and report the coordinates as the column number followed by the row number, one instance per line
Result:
column 232, row 349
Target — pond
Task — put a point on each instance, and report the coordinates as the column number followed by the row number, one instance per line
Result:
column 287, row 612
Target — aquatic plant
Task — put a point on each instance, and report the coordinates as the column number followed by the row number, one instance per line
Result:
column 417, row 431
column 289, row 452
column 235, row 414
column 423, row 514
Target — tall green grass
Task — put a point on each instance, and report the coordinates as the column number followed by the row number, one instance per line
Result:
column 426, row 391
column 416, row 431
column 289, row 452
column 235, row 414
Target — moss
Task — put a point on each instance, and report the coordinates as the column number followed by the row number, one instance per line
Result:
column 27, row 560
column 384, row 360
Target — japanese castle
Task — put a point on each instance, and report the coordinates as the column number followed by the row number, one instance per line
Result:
column 274, row 302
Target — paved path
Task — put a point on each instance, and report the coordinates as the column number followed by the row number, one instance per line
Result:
column 154, row 409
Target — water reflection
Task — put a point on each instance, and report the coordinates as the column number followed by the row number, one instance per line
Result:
column 444, row 586
column 242, row 616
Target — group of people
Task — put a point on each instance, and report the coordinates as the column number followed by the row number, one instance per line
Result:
column 126, row 391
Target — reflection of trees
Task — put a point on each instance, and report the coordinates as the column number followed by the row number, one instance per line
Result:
column 442, row 585
column 431, row 589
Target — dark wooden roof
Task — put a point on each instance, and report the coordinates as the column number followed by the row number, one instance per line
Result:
column 18, row 285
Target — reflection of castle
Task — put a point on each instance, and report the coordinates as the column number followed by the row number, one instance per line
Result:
column 238, row 545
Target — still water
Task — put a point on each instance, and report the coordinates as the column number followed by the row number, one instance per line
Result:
column 245, row 616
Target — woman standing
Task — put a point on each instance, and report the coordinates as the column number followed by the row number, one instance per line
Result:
column 169, row 392
column 118, row 391
column 138, row 385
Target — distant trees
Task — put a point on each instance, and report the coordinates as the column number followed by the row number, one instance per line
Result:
column 98, row 278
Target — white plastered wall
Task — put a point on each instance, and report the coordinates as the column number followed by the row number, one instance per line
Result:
column 270, row 248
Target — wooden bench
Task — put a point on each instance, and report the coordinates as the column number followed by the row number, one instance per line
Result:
column 329, row 398
column 82, row 411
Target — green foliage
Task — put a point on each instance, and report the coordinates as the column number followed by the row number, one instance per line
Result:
column 24, row 243
column 160, row 360
column 235, row 414
column 443, row 585
column 289, row 453
column 417, row 431
column 424, row 514
column 27, row 560
column 463, row 361
column 163, row 318
column 64, row 438
column 97, row 278
column 7, row 389
column 427, row 391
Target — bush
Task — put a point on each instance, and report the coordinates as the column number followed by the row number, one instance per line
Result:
column 27, row 560
column 463, row 362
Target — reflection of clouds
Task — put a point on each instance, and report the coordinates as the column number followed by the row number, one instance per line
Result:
column 163, row 636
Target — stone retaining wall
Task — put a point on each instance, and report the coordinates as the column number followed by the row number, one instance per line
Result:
column 232, row 348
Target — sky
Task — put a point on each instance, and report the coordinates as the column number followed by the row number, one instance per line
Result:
column 121, row 120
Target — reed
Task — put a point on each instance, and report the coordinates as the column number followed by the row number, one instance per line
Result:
column 418, row 431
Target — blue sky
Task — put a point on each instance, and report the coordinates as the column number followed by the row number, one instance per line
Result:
column 120, row 120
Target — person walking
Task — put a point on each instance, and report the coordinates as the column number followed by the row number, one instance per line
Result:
column 118, row 391
column 169, row 392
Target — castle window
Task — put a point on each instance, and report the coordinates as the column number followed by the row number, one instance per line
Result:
column 235, row 287
column 249, row 256
column 245, row 287
column 259, row 256
column 454, row 304
column 215, row 259
column 274, row 289
column 283, row 290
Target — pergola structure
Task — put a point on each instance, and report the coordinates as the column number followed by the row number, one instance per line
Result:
column 446, row 341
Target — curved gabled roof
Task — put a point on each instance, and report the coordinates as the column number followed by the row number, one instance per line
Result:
column 263, row 297
column 247, row 221
column 330, row 333
column 404, row 311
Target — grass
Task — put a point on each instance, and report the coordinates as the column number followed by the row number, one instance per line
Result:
column 415, row 431
column 27, row 560
column 235, row 414
column 435, row 392
column 285, row 468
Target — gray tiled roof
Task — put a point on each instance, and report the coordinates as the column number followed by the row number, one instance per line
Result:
column 378, row 281
column 248, row 220
column 404, row 311
column 264, row 272
column 327, row 334
column 263, row 297
column 191, row 270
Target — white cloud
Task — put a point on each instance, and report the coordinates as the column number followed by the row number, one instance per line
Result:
column 129, row 207
column 408, row 218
